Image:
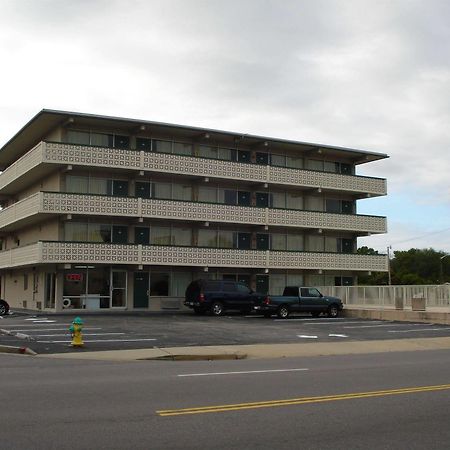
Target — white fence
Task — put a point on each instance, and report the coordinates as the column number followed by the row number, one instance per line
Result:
column 390, row 296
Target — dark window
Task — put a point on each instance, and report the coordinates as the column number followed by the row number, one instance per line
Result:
column 229, row 197
column 346, row 169
column 159, row 284
column 262, row 158
column 262, row 199
column 244, row 156
column 142, row 235
column 143, row 144
column 119, row 234
column 119, row 188
column 121, row 142
column 142, row 189
column 244, row 241
column 242, row 278
column 346, row 245
column 262, row 241
column 244, row 198
column 332, row 205
column 347, row 207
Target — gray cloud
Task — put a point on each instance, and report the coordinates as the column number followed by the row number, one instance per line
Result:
column 364, row 74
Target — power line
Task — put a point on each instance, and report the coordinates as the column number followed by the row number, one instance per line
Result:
column 423, row 235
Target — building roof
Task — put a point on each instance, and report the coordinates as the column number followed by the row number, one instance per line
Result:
column 47, row 120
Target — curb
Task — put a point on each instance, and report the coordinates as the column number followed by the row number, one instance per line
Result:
column 214, row 357
column 19, row 350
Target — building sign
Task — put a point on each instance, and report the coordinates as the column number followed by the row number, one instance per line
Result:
column 74, row 277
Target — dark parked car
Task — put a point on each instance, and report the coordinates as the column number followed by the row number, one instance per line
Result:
column 300, row 299
column 4, row 307
column 216, row 296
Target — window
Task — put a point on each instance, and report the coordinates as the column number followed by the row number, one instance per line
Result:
column 181, row 192
column 121, row 142
column 119, row 188
column 314, row 164
column 144, row 144
column 162, row 146
column 294, row 162
column 229, row 197
column 207, row 238
column 162, row 190
column 207, row 194
column 101, row 139
column 331, row 244
column 278, row 241
column 76, row 232
column 262, row 241
column 244, row 156
column 180, row 281
column 78, row 137
column 278, row 160
column 142, row 235
column 77, row 184
column 160, row 236
column 278, row 199
column 332, row 205
column 244, row 198
column 330, row 167
column 314, row 203
column 180, row 148
column 244, row 241
column 101, row 186
column 227, row 154
column 225, row 239
column 206, row 151
column 262, row 199
column 315, row 243
column 262, row 158
column 295, row 242
column 99, row 232
column 294, row 200
column 142, row 189
column 159, row 284
column 182, row 236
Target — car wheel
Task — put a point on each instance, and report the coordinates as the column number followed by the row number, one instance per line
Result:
column 4, row 308
column 333, row 311
column 217, row 309
column 283, row 312
column 315, row 314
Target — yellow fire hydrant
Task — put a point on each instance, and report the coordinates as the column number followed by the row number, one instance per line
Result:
column 76, row 331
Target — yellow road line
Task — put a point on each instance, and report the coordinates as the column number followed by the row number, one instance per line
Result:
column 300, row 400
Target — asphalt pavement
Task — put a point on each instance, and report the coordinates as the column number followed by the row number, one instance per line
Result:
column 49, row 334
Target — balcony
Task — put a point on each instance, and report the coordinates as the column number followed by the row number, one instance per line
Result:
column 43, row 158
column 44, row 204
column 93, row 253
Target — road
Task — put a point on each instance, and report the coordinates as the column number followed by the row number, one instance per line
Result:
column 378, row 401
column 49, row 334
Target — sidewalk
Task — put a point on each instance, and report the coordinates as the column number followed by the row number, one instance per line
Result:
column 260, row 351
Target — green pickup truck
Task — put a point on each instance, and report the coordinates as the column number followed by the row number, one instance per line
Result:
column 299, row 299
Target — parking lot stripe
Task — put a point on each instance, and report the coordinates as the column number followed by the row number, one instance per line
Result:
column 305, row 336
column 84, row 334
column 52, row 329
column 389, row 325
column 97, row 340
column 338, row 335
column 331, row 322
column 238, row 373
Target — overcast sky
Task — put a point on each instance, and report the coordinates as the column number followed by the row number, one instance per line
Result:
column 367, row 74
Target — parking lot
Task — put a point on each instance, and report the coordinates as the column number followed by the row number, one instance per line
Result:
column 50, row 334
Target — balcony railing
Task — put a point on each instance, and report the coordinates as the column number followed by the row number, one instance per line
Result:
column 102, row 205
column 46, row 252
column 90, row 156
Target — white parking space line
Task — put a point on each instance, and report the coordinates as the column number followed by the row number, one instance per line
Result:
column 389, row 325
column 38, row 330
column 239, row 373
column 309, row 320
column 331, row 322
column 421, row 329
column 97, row 340
column 306, row 336
column 84, row 334
column 31, row 325
column 338, row 335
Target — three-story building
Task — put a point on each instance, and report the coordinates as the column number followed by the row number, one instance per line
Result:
column 105, row 212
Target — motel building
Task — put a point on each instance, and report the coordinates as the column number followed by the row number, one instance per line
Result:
column 106, row 213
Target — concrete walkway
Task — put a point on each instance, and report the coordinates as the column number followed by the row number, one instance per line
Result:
column 260, row 351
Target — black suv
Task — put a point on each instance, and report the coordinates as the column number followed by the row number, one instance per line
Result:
column 216, row 296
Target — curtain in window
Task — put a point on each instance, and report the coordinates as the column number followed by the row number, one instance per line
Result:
column 294, row 200
column 181, row 192
column 207, row 194
column 294, row 162
column 163, row 190
column 180, row 148
column 225, row 239
column 315, row 243
column 74, row 231
column 294, row 279
column 98, row 186
column 180, row 281
column 277, row 282
column 278, row 241
column 78, row 137
column 206, row 151
column 102, row 140
column 295, row 242
column 162, row 146
column 314, row 164
column 331, row 244
column 160, row 236
column 181, row 236
column 314, row 203
column 207, row 238
column 77, row 184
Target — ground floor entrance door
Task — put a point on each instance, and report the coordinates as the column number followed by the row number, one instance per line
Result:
column 262, row 284
column 140, row 297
